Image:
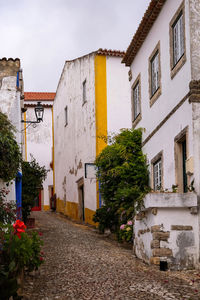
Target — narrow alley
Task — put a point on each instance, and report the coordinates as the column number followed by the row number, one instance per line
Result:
column 81, row 264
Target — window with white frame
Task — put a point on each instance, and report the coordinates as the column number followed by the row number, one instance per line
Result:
column 178, row 39
column 66, row 115
column 157, row 175
column 84, row 91
column 136, row 100
column 154, row 73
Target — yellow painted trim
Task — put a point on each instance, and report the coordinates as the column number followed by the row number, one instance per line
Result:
column 70, row 209
column 100, row 108
column 46, row 207
column 53, row 152
column 25, row 137
column 89, row 216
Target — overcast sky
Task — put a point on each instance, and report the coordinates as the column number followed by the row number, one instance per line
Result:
column 46, row 33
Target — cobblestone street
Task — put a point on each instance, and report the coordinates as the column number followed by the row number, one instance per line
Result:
column 81, row 264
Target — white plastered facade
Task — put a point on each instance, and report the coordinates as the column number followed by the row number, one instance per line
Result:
column 75, row 142
column 10, row 104
column 163, row 121
column 39, row 144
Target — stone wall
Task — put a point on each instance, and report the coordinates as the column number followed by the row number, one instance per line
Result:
column 9, row 67
column 194, row 7
column 167, row 230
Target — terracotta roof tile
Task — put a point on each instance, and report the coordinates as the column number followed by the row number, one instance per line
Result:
column 146, row 24
column 36, row 96
column 100, row 51
column 110, row 52
column 34, row 105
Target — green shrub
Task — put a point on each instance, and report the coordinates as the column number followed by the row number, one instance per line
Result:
column 10, row 155
column 18, row 251
column 7, row 209
column 126, row 232
column 123, row 174
column 33, row 177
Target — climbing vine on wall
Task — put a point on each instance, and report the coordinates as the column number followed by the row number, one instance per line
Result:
column 123, row 174
column 10, row 156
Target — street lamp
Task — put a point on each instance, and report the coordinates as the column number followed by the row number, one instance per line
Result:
column 39, row 112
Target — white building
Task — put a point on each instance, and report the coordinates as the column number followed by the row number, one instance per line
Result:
column 164, row 61
column 11, row 102
column 39, row 141
column 92, row 101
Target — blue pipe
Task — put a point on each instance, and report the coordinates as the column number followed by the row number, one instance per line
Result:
column 18, row 79
column 18, row 190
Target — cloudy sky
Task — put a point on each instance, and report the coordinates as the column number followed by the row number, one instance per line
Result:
column 46, row 33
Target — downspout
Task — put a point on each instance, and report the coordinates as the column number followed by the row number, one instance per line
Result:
column 18, row 190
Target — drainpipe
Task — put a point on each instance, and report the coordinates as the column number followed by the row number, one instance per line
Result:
column 18, row 189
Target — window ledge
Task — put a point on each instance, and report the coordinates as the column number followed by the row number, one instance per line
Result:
column 178, row 66
column 155, row 96
column 137, row 120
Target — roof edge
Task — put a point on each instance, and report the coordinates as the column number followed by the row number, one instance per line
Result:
column 100, row 51
column 144, row 27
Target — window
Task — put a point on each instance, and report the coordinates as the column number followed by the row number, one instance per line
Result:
column 66, row 116
column 84, row 91
column 177, row 41
column 157, row 175
column 157, row 172
column 181, row 155
column 154, row 75
column 136, row 100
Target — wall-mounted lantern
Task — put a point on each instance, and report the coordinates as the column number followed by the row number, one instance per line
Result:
column 39, row 112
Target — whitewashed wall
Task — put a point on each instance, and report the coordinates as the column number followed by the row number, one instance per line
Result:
column 10, row 105
column 39, row 143
column 75, row 143
column 173, row 91
column 167, row 210
column 163, row 140
column 118, row 95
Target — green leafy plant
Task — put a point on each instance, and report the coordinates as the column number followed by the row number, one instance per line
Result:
column 33, row 177
column 10, row 155
column 174, row 188
column 123, row 174
column 7, row 209
column 126, row 232
column 18, row 251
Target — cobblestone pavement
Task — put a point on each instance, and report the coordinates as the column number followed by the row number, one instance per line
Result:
column 81, row 264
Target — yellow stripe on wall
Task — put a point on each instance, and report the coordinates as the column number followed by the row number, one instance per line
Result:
column 100, row 107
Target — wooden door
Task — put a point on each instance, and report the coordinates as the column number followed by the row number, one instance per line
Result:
column 37, row 203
